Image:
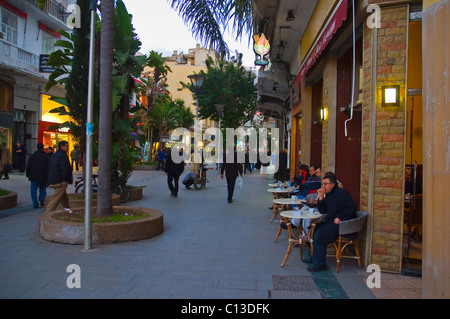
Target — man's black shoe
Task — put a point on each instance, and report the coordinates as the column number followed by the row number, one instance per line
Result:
column 230, row 201
column 316, row 268
column 307, row 260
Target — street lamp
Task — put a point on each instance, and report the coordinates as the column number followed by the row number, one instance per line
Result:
column 220, row 108
column 197, row 81
column 89, row 137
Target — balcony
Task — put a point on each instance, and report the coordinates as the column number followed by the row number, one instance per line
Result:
column 55, row 9
column 14, row 57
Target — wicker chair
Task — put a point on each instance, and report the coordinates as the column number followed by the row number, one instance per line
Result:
column 348, row 235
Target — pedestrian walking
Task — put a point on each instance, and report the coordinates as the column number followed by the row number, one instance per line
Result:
column 59, row 176
column 173, row 171
column 161, row 159
column 20, row 153
column 232, row 170
column 6, row 161
column 37, row 175
column 75, row 157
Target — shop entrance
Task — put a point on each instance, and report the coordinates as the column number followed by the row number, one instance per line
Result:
column 413, row 209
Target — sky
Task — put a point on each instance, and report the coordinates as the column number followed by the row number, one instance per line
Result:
column 161, row 29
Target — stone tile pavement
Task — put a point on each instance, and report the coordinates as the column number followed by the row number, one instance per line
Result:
column 210, row 249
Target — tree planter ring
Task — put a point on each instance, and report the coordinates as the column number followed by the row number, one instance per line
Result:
column 65, row 232
column 8, row 201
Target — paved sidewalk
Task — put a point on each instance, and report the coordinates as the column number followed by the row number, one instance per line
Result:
column 210, row 249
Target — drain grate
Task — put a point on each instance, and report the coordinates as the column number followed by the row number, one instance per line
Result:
column 294, row 294
column 302, row 283
column 294, row 287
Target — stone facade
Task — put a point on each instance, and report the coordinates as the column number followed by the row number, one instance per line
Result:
column 385, row 65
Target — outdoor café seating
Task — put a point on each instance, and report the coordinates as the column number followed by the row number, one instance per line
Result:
column 348, row 236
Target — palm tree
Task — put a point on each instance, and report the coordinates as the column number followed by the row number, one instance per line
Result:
column 208, row 18
column 154, row 85
column 104, row 204
column 163, row 116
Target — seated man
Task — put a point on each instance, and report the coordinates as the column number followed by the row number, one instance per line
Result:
column 302, row 176
column 312, row 184
column 338, row 206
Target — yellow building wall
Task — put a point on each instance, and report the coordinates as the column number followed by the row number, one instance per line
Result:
column 320, row 16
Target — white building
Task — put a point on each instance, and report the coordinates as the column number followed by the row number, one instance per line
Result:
column 27, row 36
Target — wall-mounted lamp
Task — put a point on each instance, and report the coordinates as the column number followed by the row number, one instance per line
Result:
column 323, row 114
column 390, row 95
column 290, row 16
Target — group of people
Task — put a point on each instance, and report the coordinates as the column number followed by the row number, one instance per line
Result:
column 333, row 202
column 19, row 152
column 232, row 171
column 52, row 170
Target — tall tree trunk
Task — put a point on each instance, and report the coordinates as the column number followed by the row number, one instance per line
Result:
column 104, row 204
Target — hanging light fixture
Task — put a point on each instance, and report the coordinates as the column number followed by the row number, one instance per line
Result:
column 290, row 16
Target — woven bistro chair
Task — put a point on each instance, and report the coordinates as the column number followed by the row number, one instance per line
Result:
column 348, row 236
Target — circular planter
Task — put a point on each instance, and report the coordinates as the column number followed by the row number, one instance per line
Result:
column 8, row 201
column 135, row 192
column 65, row 232
column 73, row 202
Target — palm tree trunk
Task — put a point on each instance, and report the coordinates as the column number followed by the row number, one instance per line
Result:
column 104, row 204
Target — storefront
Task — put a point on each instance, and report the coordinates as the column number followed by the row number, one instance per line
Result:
column 51, row 129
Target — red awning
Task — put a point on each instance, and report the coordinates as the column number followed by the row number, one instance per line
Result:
column 333, row 24
column 48, row 30
column 13, row 9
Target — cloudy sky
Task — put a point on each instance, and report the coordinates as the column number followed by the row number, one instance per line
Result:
column 161, row 29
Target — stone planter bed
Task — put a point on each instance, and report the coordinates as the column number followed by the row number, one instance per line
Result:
column 52, row 228
column 75, row 201
column 135, row 192
column 8, row 201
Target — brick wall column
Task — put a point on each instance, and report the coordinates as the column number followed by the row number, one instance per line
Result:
column 383, row 138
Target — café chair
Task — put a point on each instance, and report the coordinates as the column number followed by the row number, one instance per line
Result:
column 348, row 236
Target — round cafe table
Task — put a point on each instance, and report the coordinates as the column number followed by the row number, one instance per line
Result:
column 279, row 193
column 281, row 204
column 304, row 237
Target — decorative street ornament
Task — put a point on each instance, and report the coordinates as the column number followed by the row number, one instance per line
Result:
column 261, row 47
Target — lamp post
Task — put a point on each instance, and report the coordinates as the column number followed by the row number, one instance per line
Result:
column 197, row 81
column 220, row 108
column 89, row 131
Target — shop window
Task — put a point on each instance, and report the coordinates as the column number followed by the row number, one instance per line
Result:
column 6, row 96
column 9, row 26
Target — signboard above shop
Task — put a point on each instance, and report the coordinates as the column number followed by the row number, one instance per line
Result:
column 43, row 67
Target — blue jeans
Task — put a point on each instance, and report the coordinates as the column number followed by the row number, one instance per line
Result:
column 42, row 193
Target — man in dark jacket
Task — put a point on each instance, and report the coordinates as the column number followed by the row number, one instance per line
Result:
column 233, row 169
column 173, row 171
column 59, row 175
column 37, row 175
column 338, row 206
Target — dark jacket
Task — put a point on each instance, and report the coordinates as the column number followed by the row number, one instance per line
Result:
column 336, row 204
column 171, row 167
column 59, row 168
column 37, row 167
column 232, row 169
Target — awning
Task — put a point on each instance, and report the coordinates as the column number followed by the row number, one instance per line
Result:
column 13, row 9
column 334, row 22
column 49, row 30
